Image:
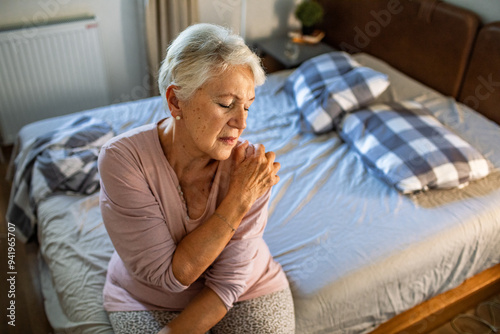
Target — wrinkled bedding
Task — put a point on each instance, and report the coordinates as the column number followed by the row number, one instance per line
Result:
column 355, row 251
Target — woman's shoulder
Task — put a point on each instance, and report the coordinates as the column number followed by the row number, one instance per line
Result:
column 133, row 145
column 138, row 134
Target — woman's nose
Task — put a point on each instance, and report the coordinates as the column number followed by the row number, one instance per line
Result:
column 239, row 120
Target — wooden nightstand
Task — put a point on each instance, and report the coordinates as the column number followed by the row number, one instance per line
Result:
column 273, row 56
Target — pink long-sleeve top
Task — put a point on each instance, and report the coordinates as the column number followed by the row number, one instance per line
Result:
column 146, row 218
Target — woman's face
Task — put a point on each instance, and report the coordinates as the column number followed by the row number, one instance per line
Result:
column 214, row 118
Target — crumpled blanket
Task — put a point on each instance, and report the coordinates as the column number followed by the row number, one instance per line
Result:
column 63, row 160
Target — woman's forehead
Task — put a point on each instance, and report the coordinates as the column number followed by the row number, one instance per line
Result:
column 236, row 82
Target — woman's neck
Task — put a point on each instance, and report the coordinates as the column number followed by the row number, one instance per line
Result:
column 183, row 163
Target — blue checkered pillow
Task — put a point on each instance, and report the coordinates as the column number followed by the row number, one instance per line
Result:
column 330, row 85
column 408, row 147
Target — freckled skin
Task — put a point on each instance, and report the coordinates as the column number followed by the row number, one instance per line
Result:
column 211, row 122
column 203, row 131
column 207, row 132
column 217, row 110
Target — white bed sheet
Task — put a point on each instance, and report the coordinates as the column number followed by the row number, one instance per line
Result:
column 356, row 252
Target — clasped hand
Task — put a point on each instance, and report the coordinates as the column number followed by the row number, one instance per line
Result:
column 254, row 172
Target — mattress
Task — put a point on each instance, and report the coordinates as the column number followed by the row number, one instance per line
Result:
column 356, row 252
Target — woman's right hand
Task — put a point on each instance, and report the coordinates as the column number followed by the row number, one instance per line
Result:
column 253, row 173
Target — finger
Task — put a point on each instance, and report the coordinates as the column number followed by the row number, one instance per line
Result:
column 260, row 157
column 244, row 144
column 260, row 150
column 276, row 167
column 250, row 151
column 271, row 156
column 240, row 151
column 272, row 180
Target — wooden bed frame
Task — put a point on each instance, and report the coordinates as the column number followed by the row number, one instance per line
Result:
column 448, row 49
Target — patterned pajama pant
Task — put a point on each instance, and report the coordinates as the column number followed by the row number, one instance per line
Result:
column 269, row 314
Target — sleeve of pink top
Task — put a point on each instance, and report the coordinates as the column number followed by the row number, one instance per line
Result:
column 133, row 219
column 229, row 273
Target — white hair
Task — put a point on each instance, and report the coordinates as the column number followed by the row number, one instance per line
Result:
column 201, row 51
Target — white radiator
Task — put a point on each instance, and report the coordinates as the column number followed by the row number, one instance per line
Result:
column 49, row 71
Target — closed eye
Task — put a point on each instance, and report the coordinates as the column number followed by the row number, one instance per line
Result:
column 229, row 106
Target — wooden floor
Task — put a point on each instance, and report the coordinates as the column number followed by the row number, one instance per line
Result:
column 448, row 329
column 29, row 311
column 28, row 308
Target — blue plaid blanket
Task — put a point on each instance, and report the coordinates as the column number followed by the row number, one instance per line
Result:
column 63, row 160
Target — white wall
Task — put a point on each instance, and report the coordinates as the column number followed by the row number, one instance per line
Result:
column 270, row 17
column 121, row 31
column 223, row 12
column 488, row 10
column 265, row 18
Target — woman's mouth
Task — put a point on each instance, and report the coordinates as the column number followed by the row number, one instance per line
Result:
column 228, row 140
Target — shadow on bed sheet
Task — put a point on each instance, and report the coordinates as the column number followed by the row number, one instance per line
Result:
column 480, row 188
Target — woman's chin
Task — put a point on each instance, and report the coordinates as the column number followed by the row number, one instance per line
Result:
column 222, row 154
column 224, row 151
column 222, row 157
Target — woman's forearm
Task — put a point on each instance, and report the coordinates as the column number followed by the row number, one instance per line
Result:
column 199, row 249
column 202, row 313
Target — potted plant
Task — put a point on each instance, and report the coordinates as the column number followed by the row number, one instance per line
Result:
column 309, row 13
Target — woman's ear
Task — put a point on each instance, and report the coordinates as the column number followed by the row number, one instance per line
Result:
column 172, row 101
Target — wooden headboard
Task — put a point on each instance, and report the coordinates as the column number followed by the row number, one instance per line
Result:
column 429, row 40
column 439, row 44
column 481, row 87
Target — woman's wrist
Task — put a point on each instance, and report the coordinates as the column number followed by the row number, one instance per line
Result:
column 224, row 219
column 238, row 204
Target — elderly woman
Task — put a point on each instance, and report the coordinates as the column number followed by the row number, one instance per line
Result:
column 185, row 203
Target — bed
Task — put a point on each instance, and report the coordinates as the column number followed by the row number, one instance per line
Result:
column 357, row 251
